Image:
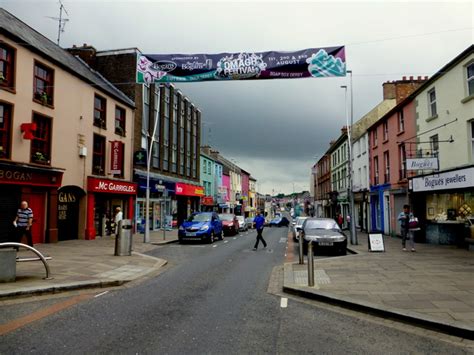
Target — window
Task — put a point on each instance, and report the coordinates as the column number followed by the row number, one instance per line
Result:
column 385, row 131
column 386, row 162
column 120, row 121
column 155, row 157
column 174, row 146
column 402, row 155
column 5, row 130
column 100, row 105
column 41, row 143
column 374, row 137
column 43, row 84
column 145, row 117
column 188, row 139
column 7, row 66
column 401, row 121
column 376, row 170
column 98, row 155
column 432, row 102
column 472, row 139
column 166, row 129
column 364, row 177
column 470, row 79
column 195, row 142
column 182, row 114
column 204, row 167
column 434, row 145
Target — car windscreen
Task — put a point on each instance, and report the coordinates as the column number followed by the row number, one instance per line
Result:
column 250, row 219
column 300, row 221
column 226, row 217
column 240, row 218
column 200, row 217
column 321, row 224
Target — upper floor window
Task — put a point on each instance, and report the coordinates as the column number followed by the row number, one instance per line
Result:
column 100, row 106
column 374, row 137
column 470, row 79
column 385, row 131
column 98, row 155
column 5, row 130
column 434, row 145
column 120, row 121
column 43, row 84
column 386, row 159
column 41, row 143
column 401, row 121
column 376, row 170
column 472, row 139
column 432, row 102
column 7, row 66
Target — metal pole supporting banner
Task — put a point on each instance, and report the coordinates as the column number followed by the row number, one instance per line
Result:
column 300, row 247
column 354, row 240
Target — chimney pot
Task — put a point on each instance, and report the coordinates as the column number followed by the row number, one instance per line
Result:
column 411, row 77
column 419, row 77
column 404, row 78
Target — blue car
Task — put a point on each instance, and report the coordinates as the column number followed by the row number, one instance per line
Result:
column 204, row 226
column 279, row 221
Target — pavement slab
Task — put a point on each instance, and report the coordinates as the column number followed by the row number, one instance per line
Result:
column 434, row 284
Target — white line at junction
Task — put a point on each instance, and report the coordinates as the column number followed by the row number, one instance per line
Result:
column 284, row 302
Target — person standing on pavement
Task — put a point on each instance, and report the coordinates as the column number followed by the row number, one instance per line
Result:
column 118, row 217
column 23, row 222
column 259, row 222
column 407, row 232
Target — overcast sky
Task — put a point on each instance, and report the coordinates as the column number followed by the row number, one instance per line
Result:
column 274, row 129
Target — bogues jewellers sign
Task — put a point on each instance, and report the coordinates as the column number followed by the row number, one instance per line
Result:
column 422, row 164
column 443, row 181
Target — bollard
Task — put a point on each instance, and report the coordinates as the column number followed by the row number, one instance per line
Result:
column 300, row 246
column 310, row 265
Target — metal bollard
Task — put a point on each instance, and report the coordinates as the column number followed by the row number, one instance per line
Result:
column 300, row 246
column 310, row 265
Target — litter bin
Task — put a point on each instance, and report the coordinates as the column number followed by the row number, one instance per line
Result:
column 123, row 241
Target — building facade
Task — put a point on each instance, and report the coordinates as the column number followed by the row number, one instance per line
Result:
column 323, row 187
column 65, row 141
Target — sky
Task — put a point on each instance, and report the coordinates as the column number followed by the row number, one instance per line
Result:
column 275, row 129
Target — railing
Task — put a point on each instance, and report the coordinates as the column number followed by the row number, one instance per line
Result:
column 42, row 258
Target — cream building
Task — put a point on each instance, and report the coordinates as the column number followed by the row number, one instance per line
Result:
column 65, row 138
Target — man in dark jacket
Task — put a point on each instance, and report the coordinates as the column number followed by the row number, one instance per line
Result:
column 259, row 222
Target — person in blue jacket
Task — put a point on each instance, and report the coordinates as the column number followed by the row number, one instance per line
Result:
column 259, row 223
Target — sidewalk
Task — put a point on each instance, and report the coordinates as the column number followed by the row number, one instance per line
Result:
column 79, row 264
column 433, row 286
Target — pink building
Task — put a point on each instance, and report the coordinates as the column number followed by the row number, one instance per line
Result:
column 245, row 178
column 226, row 185
column 391, row 141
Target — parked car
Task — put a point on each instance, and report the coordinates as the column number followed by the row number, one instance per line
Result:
column 230, row 225
column 298, row 226
column 242, row 225
column 323, row 233
column 249, row 222
column 204, row 226
column 279, row 221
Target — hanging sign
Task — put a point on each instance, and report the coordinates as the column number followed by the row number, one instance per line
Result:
column 116, row 161
column 306, row 63
column 422, row 164
column 376, row 242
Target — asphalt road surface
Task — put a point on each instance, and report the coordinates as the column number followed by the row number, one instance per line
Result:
column 211, row 299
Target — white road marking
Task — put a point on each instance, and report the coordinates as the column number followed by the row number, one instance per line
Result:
column 284, row 302
column 234, row 238
column 214, row 246
column 226, row 241
column 101, row 294
column 283, row 240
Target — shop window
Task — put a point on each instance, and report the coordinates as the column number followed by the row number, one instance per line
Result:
column 7, row 66
column 386, row 160
column 432, row 103
column 445, row 206
column 376, row 170
column 434, row 145
column 401, row 121
column 120, row 121
column 470, row 79
column 100, row 108
column 98, row 155
column 43, row 84
column 5, row 130
column 41, row 142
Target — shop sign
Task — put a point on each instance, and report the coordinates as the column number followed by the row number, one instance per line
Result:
column 207, row 201
column 111, row 186
column 422, row 164
column 139, row 157
column 116, row 159
column 456, row 179
column 22, row 176
column 189, row 190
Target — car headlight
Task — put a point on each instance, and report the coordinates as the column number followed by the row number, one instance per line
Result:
column 204, row 228
column 181, row 228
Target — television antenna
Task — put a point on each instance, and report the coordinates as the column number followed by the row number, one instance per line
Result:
column 61, row 21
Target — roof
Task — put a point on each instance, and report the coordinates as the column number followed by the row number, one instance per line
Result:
column 468, row 51
column 36, row 42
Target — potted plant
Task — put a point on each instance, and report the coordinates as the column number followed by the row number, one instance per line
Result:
column 98, row 169
column 120, row 131
column 2, row 77
column 44, row 98
column 39, row 157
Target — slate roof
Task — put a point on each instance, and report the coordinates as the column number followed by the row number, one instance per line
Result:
column 26, row 36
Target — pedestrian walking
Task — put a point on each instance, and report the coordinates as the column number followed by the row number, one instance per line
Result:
column 340, row 220
column 23, row 222
column 118, row 217
column 259, row 222
column 408, row 226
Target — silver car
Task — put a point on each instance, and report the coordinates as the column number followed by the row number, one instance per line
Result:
column 297, row 227
column 242, row 225
column 324, row 233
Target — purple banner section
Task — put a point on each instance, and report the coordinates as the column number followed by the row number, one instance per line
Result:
column 306, row 63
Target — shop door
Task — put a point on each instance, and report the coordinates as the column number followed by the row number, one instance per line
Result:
column 9, row 204
column 36, row 201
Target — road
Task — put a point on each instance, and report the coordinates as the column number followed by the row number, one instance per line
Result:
column 211, row 299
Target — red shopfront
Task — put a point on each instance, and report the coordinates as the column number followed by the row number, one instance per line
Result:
column 103, row 197
column 188, row 197
column 39, row 187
